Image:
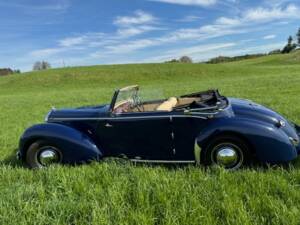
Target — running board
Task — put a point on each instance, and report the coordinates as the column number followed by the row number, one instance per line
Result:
column 161, row 161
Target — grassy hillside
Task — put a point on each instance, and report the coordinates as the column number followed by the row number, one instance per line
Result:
column 109, row 193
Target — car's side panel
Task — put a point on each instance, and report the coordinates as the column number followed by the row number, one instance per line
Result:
column 185, row 131
column 136, row 135
column 76, row 146
column 270, row 144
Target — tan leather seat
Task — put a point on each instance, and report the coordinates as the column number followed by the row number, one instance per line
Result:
column 167, row 105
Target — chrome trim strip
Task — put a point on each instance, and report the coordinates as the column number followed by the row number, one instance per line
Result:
column 161, row 161
column 200, row 113
column 197, row 152
column 125, row 118
column 203, row 109
column 47, row 116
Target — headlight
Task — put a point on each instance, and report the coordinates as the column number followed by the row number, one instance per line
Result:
column 294, row 141
column 280, row 123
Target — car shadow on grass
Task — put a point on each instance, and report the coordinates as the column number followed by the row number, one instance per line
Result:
column 13, row 162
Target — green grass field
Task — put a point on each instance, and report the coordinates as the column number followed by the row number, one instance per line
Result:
column 112, row 193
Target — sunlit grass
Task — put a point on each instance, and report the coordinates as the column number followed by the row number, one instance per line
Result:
column 118, row 193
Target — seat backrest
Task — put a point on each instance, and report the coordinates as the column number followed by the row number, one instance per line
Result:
column 167, row 105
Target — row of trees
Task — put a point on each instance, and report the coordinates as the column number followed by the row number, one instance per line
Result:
column 183, row 59
column 39, row 65
column 8, row 71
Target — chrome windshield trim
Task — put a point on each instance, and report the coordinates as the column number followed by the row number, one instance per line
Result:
column 129, row 88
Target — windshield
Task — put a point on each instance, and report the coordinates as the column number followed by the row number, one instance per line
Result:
column 127, row 96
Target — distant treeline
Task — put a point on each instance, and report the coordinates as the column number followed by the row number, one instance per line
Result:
column 223, row 59
column 8, row 71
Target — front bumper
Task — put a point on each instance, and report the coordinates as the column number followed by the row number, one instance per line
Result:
column 298, row 133
column 18, row 155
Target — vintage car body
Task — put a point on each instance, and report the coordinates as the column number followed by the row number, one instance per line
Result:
column 168, row 130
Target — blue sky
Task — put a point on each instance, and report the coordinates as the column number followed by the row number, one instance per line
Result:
column 76, row 32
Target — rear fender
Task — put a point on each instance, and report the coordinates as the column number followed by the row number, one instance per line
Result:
column 76, row 146
column 269, row 143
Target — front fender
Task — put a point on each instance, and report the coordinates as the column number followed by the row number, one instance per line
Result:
column 271, row 144
column 76, row 146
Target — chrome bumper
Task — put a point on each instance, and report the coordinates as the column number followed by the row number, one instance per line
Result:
column 298, row 133
column 18, row 155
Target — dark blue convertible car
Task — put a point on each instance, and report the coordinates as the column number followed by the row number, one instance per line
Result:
column 202, row 127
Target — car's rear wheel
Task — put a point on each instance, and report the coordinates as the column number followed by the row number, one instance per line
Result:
column 42, row 154
column 226, row 151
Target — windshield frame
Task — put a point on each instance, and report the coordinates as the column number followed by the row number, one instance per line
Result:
column 134, row 88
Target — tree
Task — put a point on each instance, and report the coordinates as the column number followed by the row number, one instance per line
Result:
column 274, row 52
column 298, row 37
column 185, row 59
column 290, row 40
column 290, row 46
column 41, row 65
column 6, row 71
column 172, row 61
column 17, row 71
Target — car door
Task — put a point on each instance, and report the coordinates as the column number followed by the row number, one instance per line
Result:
column 186, row 128
column 143, row 136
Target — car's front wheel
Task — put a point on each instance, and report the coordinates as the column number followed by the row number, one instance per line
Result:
column 42, row 154
column 226, row 151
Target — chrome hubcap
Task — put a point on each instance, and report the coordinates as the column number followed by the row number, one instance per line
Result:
column 48, row 156
column 229, row 156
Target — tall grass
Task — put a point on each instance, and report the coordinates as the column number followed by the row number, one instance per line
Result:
column 114, row 193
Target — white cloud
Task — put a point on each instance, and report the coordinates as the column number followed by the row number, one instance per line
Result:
column 40, row 6
column 190, row 18
column 206, row 52
column 46, row 52
column 83, row 39
column 268, row 37
column 139, row 23
column 261, row 15
column 221, row 27
column 276, row 3
column 269, row 14
column 189, row 2
column 140, row 17
column 67, row 42
column 121, row 42
column 133, row 31
column 131, row 46
column 228, row 21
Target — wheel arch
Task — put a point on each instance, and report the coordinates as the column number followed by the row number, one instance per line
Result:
column 203, row 143
column 75, row 146
column 267, row 143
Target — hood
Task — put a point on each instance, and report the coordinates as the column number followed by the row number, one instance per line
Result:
column 248, row 109
column 78, row 113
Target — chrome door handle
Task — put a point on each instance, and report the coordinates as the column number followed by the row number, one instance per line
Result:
column 108, row 125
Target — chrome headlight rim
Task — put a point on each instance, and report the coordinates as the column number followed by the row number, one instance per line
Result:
column 294, row 141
